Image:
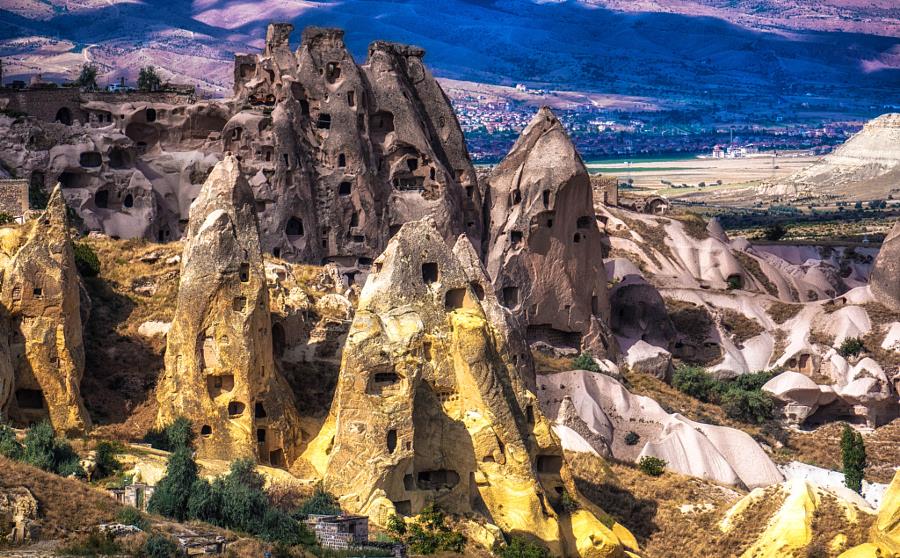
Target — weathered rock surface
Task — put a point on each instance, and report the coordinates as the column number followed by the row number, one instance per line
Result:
column 220, row 371
column 544, row 251
column 41, row 292
column 18, row 510
column 885, row 279
column 349, row 153
column 610, row 412
column 431, row 405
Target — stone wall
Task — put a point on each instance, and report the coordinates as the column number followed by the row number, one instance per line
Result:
column 64, row 103
column 14, row 197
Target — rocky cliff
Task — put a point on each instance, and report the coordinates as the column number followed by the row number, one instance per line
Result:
column 220, row 371
column 430, row 406
column 42, row 295
column 885, row 278
column 545, row 250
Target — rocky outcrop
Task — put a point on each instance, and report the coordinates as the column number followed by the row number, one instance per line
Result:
column 18, row 512
column 430, row 406
column 885, row 278
column 610, row 412
column 219, row 370
column 348, row 153
column 41, row 292
column 545, row 249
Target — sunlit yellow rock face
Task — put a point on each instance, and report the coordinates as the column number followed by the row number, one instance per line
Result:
column 41, row 292
column 789, row 531
column 431, row 405
column 885, row 534
column 220, row 371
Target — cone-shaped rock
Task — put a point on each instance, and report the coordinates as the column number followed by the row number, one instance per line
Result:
column 544, row 251
column 429, row 407
column 220, row 371
column 885, row 279
column 41, row 292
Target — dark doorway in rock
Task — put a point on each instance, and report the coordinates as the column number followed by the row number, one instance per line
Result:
column 278, row 340
column 324, row 121
column 90, row 159
column 101, row 199
column 391, row 440
column 430, row 272
column 454, row 299
column 30, row 399
column 151, row 115
column 344, row 188
column 510, row 297
column 294, row 228
column 128, row 201
column 64, row 116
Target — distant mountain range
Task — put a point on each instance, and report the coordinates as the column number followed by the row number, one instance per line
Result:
column 840, row 51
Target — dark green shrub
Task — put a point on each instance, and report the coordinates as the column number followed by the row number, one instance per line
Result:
column 428, row 533
column 735, row 282
column 775, row 232
column 321, row 502
column 9, row 445
column 748, row 406
column 86, row 260
column 652, row 466
column 585, row 361
column 853, row 455
column 94, row 543
column 160, row 546
column 132, row 516
column 695, row 381
column 851, row 346
column 567, row 503
column 45, row 451
column 107, row 464
column 170, row 499
column 521, row 547
column 632, row 438
column 179, row 433
column 751, row 382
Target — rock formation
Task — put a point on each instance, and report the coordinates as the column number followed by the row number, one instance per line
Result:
column 544, row 251
column 885, row 278
column 609, row 412
column 220, row 371
column 430, row 405
column 865, row 167
column 41, row 292
column 884, row 535
column 348, row 153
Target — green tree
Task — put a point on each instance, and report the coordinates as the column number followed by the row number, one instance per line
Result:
column 148, row 79
column 521, row 547
column 851, row 346
column 694, row 381
column 173, row 491
column 853, row 455
column 177, row 434
column 9, row 445
column 652, row 466
column 585, row 361
column 753, row 406
column 87, row 78
column 45, row 451
column 321, row 502
column 86, row 260
column 107, row 464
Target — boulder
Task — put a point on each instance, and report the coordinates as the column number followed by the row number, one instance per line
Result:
column 545, row 247
column 644, row 358
column 42, row 293
column 220, row 371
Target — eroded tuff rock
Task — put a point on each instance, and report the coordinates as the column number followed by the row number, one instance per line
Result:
column 430, row 406
column 41, row 292
column 341, row 155
column 220, row 371
column 545, row 252
column 885, row 278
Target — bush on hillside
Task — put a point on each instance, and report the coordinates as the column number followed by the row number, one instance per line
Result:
column 585, row 361
column 853, row 455
column 851, row 346
column 652, row 466
column 521, row 547
column 752, row 406
column 428, row 533
column 170, row 499
column 321, row 502
column 160, row 546
column 9, row 445
column 42, row 449
column 86, row 260
column 179, row 433
column 695, row 381
column 107, row 464
column 632, row 438
column 132, row 516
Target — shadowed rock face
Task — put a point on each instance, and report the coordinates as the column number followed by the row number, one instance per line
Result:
column 349, row 153
column 220, row 371
column 544, row 251
column 430, row 406
column 41, row 292
column 885, row 278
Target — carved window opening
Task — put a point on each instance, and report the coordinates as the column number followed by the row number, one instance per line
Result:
column 391, row 440
column 276, row 458
column 344, row 188
column 64, row 116
column 294, row 228
column 206, row 431
column 516, row 197
column 412, row 164
column 37, row 292
column 354, row 219
column 432, row 173
column 30, row 399
column 470, row 192
column 584, row 222
column 595, row 305
column 151, row 115
column 454, row 299
column 236, row 409
column 304, row 107
column 128, row 201
column 324, row 121
column 551, row 464
column 260, row 435
column 529, row 414
column 239, row 303
column 430, row 272
column 440, row 479
column 259, row 411
column 101, row 199
column 218, row 385
column 244, row 272
column 577, row 238
column 477, row 289
column 342, row 160
column 90, row 159
column 351, row 98
column 236, row 133
column 510, row 297
column 546, row 198
column 515, row 238
column 332, row 72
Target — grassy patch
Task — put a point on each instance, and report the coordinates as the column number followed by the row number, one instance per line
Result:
column 752, row 266
column 739, row 325
column 783, row 311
